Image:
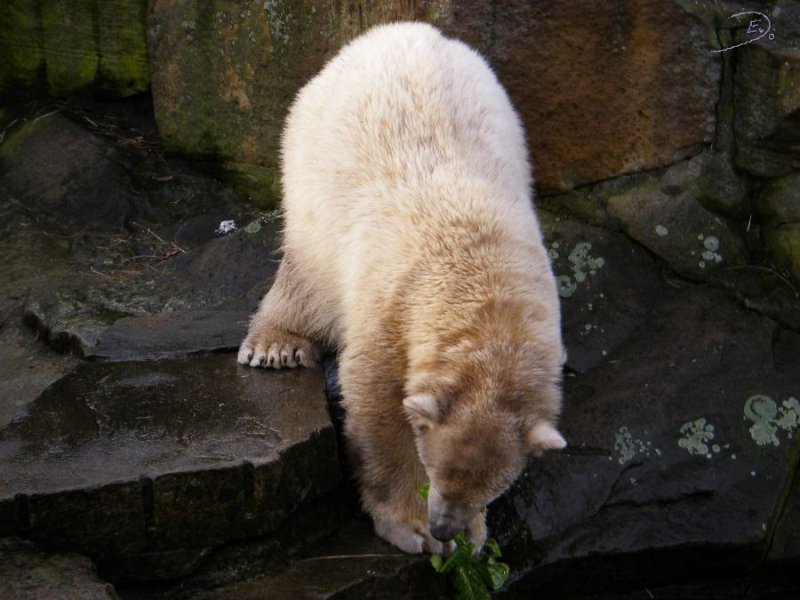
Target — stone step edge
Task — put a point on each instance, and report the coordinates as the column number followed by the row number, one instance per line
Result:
column 182, row 512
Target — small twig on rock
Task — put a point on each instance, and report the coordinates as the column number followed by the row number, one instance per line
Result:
column 7, row 127
column 160, row 239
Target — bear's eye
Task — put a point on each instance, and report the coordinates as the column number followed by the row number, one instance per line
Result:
column 419, row 427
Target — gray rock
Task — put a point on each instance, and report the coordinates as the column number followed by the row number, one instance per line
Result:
column 27, row 367
column 170, row 335
column 783, row 242
column 353, row 565
column 779, row 201
column 66, row 177
column 681, row 452
column 694, row 241
column 711, row 179
column 767, row 110
column 29, row 573
column 785, row 536
column 216, row 285
column 145, row 467
column 606, row 283
column 110, row 231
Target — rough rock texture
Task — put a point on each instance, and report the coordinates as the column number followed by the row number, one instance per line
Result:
column 354, row 564
column 254, row 56
column 167, row 468
column 27, row 367
column 65, row 176
column 767, row 94
column 642, row 97
column 669, row 212
column 784, row 242
column 166, row 335
column 59, row 47
column 682, row 424
column 779, row 203
column 111, row 229
column 678, row 229
column 145, row 467
column 29, row 573
column 779, row 200
column 645, row 96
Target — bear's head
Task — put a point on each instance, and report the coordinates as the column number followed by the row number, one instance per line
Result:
column 472, row 452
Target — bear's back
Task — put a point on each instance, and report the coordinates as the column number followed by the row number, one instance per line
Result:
column 401, row 135
column 394, row 107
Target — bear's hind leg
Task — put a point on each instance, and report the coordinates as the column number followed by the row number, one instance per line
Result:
column 279, row 331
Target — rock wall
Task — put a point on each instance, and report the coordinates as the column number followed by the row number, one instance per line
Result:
column 604, row 88
column 59, row 47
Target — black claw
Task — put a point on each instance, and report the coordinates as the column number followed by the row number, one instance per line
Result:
column 271, row 361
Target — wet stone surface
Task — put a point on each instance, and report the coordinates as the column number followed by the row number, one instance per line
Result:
column 77, row 263
column 29, row 573
column 126, row 459
column 182, row 475
column 352, row 564
column 683, row 421
column 166, row 335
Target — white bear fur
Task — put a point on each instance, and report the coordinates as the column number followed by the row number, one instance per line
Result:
column 411, row 245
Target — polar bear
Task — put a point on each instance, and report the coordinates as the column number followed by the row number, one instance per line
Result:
column 411, row 245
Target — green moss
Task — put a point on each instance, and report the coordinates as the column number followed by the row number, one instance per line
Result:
column 261, row 184
column 70, row 44
column 15, row 136
column 123, row 47
column 783, row 242
column 58, row 47
column 20, row 47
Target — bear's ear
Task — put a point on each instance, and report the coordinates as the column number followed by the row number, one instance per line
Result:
column 422, row 409
column 544, row 436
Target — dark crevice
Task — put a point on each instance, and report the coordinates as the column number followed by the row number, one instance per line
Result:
column 725, row 138
column 249, row 487
column 660, row 502
column 791, row 488
column 148, row 502
column 23, row 510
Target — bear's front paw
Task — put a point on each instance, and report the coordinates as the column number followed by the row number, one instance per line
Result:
column 476, row 532
column 413, row 538
column 278, row 350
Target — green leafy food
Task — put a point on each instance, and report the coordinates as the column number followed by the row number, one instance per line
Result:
column 422, row 491
column 473, row 576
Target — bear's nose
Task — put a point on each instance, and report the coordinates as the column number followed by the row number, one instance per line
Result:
column 444, row 531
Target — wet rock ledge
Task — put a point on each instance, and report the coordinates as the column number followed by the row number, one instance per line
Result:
column 146, row 466
column 137, row 460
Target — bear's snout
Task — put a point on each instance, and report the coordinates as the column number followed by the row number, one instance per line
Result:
column 444, row 531
column 444, row 519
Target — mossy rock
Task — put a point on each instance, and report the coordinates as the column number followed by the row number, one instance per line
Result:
column 259, row 183
column 780, row 199
column 784, row 243
column 767, row 96
column 60, row 47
